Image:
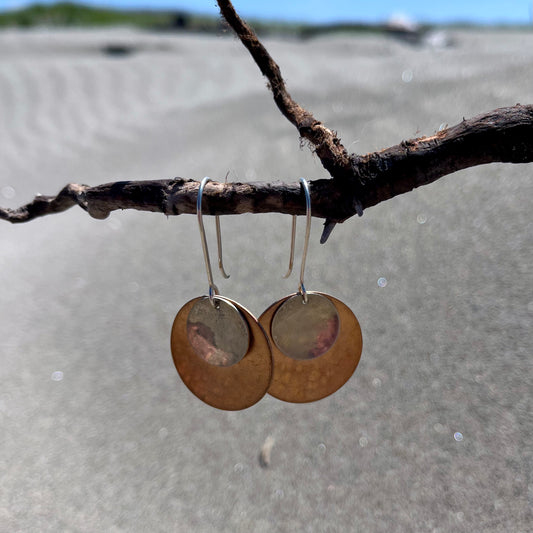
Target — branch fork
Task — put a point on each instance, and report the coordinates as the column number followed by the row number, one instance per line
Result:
column 357, row 181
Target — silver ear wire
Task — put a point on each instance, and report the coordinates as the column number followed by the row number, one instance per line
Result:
column 301, row 288
column 213, row 290
column 305, row 185
column 219, row 247
column 293, row 239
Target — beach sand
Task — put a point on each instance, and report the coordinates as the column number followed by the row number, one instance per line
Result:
column 98, row 433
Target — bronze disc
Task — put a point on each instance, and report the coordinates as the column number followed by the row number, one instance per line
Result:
column 231, row 388
column 308, row 380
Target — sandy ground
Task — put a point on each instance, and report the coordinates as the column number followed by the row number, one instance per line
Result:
column 97, row 432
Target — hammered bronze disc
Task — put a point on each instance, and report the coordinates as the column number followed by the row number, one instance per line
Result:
column 230, row 388
column 301, row 381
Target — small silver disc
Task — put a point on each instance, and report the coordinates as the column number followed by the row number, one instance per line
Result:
column 305, row 330
column 217, row 333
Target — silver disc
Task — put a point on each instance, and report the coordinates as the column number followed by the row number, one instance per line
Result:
column 305, row 330
column 217, row 333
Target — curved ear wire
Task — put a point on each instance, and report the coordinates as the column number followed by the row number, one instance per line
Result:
column 293, row 238
column 305, row 186
column 219, row 247
column 301, row 288
column 213, row 290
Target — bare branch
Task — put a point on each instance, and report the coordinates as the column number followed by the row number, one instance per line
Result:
column 69, row 196
column 503, row 135
column 327, row 145
column 175, row 197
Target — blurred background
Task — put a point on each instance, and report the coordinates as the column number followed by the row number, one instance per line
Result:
column 97, row 431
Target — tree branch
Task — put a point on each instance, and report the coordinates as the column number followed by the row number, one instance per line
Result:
column 327, row 145
column 503, row 135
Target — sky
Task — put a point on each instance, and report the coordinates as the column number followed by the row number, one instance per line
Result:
column 324, row 11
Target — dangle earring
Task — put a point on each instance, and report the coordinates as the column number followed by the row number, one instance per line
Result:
column 316, row 339
column 219, row 349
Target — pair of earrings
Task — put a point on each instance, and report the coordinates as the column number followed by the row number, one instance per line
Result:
column 302, row 348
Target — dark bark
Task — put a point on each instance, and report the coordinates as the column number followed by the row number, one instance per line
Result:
column 504, row 135
column 501, row 136
column 357, row 181
column 327, row 145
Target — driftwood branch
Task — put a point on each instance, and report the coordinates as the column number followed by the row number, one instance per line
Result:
column 357, row 181
column 504, row 135
column 328, row 147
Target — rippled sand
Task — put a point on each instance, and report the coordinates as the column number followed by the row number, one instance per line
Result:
column 432, row 433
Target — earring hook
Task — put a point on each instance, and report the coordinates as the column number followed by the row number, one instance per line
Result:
column 293, row 239
column 213, row 289
column 219, row 248
column 301, row 287
column 305, row 185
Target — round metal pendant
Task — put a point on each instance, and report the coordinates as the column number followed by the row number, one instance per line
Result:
column 218, row 333
column 231, row 388
column 305, row 330
column 308, row 380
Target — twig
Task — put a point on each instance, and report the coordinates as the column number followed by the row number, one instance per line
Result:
column 70, row 195
column 327, row 145
column 503, row 135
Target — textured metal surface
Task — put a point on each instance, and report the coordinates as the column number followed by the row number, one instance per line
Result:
column 305, row 330
column 302, row 381
column 218, row 333
column 226, row 387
